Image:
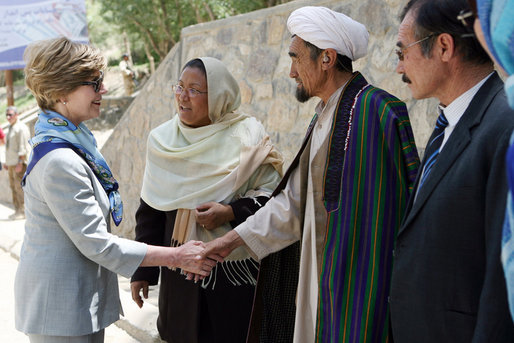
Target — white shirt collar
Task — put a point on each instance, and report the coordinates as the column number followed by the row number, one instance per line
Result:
column 457, row 107
column 321, row 107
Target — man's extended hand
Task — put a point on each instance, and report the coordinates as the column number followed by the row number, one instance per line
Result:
column 221, row 246
column 188, row 258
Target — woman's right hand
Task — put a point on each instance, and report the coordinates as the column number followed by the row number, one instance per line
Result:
column 136, row 287
column 188, row 259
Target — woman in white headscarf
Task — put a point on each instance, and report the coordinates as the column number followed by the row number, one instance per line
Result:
column 207, row 170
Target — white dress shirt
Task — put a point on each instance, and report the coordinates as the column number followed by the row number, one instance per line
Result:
column 454, row 111
column 279, row 223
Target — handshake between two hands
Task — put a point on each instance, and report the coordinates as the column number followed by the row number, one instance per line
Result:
column 209, row 215
column 198, row 259
column 195, row 258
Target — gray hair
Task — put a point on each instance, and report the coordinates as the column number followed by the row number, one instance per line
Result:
column 12, row 108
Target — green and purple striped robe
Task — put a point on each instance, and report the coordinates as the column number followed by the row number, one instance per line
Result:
column 371, row 167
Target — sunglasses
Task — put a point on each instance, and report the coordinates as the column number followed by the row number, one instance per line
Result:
column 97, row 84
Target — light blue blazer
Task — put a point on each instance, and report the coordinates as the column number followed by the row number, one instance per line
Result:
column 66, row 282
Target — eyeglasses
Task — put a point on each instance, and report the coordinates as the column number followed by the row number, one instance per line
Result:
column 97, row 84
column 464, row 17
column 9, row 115
column 191, row 92
column 399, row 51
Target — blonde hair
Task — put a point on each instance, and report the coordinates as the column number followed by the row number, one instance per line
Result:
column 56, row 67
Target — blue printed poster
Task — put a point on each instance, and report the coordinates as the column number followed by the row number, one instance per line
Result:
column 26, row 21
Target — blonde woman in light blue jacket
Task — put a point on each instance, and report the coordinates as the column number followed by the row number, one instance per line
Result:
column 66, row 287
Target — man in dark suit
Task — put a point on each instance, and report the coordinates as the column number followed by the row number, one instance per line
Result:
column 447, row 283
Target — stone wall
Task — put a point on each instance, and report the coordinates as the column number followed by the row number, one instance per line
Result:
column 254, row 47
column 111, row 111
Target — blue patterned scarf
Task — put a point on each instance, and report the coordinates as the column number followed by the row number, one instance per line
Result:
column 53, row 127
column 497, row 21
column 507, row 252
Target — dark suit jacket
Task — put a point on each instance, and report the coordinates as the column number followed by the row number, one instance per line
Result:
column 448, row 283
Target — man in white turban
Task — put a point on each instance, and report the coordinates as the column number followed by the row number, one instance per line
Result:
column 326, row 29
column 326, row 236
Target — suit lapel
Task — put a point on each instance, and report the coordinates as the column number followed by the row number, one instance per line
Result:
column 458, row 141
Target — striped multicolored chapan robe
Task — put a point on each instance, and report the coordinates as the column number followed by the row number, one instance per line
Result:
column 371, row 166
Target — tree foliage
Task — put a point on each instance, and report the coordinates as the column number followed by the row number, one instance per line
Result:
column 157, row 23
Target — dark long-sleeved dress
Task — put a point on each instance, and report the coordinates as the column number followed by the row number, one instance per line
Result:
column 189, row 313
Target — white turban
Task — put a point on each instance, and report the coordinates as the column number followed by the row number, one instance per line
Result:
column 327, row 29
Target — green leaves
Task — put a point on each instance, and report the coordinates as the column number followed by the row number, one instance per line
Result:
column 157, row 23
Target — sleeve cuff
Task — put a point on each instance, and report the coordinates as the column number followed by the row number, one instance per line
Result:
column 255, row 247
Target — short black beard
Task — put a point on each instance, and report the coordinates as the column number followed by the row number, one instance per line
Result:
column 302, row 95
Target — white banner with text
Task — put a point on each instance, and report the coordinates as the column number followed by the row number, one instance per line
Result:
column 26, row 21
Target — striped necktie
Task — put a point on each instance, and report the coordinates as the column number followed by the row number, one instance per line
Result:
column 433, row 146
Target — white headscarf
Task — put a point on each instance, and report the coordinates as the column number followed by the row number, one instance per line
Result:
column 187, row 166
column 327, row 29
column 224, row 94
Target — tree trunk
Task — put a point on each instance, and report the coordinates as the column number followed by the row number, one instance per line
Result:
column 209, row 11
column 153, row 43
column 198, row 16
column 126, row 43
column 150, row 58
column 165, row 17
column 9, row 88
column 179, row 13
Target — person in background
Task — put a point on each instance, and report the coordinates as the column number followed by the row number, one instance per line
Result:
column 342, row 198
column 66, row 287
column 2, row 139
column 207, row 170
column 494, row 26
column 128, row 75
column 2, row 142
column 17, row 149
column 448, row 283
